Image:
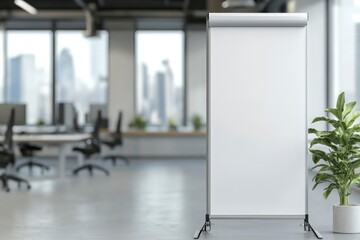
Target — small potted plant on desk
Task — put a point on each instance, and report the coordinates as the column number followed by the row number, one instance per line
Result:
column 172, row 124
column 337, row 166
column 197, row 122
column 138, row 123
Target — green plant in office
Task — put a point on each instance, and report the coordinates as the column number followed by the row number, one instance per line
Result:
column 138, row 122
column 338, row 164
column 40, row 122
column 172, row 124
column 197, row 122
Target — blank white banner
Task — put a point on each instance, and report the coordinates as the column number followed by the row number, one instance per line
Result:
column 257, row 115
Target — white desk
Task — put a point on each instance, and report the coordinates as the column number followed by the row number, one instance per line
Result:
column 62, row 141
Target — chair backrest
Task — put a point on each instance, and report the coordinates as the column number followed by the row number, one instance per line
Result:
column 118, row 124
column 76, row 126
column 8, row 141
column 95, row 136
column 118, row 132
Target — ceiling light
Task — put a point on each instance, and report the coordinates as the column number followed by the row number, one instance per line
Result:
column 25, row 6
column 238, row 3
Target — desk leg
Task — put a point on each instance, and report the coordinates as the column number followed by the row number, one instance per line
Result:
column 80, row 159
column 62, row 159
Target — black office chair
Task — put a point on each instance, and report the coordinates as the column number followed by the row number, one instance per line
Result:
column 7, row 156
column 27, row 150
column 92, row 146
column 76, row 127
column 116, row 140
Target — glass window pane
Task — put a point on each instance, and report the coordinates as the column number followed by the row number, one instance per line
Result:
column 29, row 73
column 2, row 62
column 160, row 76
column 81, row 70
column 346, row 51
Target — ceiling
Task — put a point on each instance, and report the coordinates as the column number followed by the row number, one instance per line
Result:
column 111, row 4
column 191, row 10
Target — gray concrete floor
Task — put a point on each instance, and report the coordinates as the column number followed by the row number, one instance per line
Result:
column 149, row 199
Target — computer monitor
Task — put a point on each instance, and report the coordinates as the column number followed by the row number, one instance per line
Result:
column 66, row 114
column 20, row 113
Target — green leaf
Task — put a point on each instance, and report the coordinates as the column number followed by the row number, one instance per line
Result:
column 348, row 108
column 352, row 118
column 328, row 190
column 318, row 153
column 317, row 166
column 355, row 128
column 333, row 122
column 312, row 130
column 340, row 102
column 322, row 141
column 337, row 113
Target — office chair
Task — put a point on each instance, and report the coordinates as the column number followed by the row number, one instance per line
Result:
column 27, row 150
column 7, row 156
column 92, row 146
column 76, row 127
column 116, row 140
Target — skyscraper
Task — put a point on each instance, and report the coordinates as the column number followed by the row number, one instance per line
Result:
column 22, row 72
column 24, row 86
column 145, row 81
column 65, row 77
column 160, row 98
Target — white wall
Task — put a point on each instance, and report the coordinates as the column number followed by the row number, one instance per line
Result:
column 317, row 83
column 121, row 71
column 196, row 70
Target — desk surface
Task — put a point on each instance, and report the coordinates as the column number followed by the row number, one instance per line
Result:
column 49, row 138
column 134, row 133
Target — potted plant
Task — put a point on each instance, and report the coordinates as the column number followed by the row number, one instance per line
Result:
column 337, row 165
column 40, row 122
column 197, row 122
column 172, row 124
column 138, row 123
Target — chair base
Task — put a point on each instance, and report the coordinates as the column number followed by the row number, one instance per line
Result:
column 90, row 168
column 4, row 178
column 32, row 164
column 113, row 158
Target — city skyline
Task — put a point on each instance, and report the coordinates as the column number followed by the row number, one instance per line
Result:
column 160, row 83
column 29, row 67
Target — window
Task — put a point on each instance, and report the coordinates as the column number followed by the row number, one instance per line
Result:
column 81, row 70
column 2, row 65
column 29, row 73
column 346, row 49
column 160, row 76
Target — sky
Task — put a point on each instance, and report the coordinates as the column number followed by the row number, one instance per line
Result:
column 152, row 47
column 38, row 43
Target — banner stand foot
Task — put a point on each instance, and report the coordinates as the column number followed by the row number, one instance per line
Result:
column 308, row 227
column 205, row 228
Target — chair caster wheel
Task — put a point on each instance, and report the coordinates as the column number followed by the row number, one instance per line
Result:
column 28, row 187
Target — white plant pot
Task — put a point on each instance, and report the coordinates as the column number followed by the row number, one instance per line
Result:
column 346, row 219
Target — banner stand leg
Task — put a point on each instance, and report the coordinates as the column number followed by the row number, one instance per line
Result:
column 205, row 228
column 308, row 227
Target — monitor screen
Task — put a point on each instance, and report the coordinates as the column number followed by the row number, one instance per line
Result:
column 20, row 113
